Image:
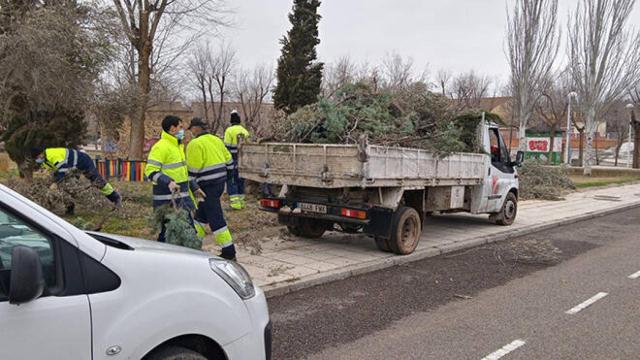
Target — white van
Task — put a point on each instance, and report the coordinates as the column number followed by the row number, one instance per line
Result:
column 66, row 294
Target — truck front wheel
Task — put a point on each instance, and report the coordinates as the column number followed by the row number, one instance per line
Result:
column 308, row 228
column 507, row 214
column 406, row 228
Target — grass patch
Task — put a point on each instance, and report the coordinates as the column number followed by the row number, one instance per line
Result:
column 583, row 182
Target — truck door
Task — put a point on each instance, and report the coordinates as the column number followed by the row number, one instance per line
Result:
column 501, row 174
column 52, row 326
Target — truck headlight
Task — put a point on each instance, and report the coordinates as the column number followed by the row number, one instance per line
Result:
column 235, row 275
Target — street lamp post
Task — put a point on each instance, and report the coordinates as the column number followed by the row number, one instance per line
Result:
column 629, row 161
column 571, row 95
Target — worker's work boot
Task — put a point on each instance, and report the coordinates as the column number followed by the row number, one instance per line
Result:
column 229, row 252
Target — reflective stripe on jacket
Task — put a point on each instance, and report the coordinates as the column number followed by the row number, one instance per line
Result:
column 208, row 160
column 231, row 137
column 166, row 163
column 60, row 161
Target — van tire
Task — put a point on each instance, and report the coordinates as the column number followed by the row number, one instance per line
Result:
column 508, row 212
column 175, row 353
column 406, row 229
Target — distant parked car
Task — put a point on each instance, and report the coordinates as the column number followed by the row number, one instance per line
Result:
column 67, row 294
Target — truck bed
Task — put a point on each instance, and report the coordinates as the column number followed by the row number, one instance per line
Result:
column 338, row 166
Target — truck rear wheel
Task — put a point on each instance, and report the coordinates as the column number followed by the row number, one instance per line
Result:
column 308, row 228
column 382, row 244
column 507, row 214
column 406, row 229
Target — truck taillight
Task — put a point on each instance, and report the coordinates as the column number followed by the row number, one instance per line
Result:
column 356, row 214
column 270, row 203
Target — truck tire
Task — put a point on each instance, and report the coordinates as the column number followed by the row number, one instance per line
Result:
column 175, row 353
column 508, row 212
column 382, row 244
column 308, row 228
column 406, row 229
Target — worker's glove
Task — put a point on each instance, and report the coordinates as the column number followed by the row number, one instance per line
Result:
column 200, row 195
column 173, row 187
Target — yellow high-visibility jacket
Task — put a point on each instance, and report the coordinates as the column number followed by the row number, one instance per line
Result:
column 231, row 137
column 208, row 160
column 166, row 163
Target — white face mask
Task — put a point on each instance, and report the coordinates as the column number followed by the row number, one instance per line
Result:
column 180, row 134
column 40, row 161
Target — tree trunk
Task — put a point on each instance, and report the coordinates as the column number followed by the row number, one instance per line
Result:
column 581, row 150
column 221, row 102
column 522, row 145
column 617, row 154
column 636, row 141
column 589, row 159
column 145, row 47
column 552, row 141
column 204, row 101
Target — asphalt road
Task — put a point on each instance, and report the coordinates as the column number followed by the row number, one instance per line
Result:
column 522, row 299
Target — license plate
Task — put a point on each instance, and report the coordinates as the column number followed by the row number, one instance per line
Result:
column 313, row 208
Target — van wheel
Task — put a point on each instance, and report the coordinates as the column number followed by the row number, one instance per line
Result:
column 406, row 229
column 507, row 214
column 175, row 353
column 382, row 244
column 308, row 228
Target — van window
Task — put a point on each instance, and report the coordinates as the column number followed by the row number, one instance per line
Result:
column 14, row 232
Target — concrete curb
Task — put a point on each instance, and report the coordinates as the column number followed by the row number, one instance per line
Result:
column 375, row 265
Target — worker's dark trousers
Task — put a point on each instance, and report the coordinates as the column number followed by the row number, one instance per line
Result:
column 210, row 209
column 235, row 185
column 88, row 168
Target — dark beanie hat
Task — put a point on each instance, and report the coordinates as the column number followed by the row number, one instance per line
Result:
column 235, row 117
column 36, row 150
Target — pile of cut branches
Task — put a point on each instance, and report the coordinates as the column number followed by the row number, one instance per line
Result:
column 538, row 181
column 410, row 117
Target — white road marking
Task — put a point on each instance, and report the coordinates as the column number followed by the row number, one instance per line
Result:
column 504, row 350
column 586, row 304
column 635, row 275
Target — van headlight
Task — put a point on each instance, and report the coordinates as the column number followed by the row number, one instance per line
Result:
column 235, row 275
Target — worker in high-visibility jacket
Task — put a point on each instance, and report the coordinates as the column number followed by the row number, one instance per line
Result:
column 235, row 185
column 62, row 161
column 167, row 168
column 210, row 164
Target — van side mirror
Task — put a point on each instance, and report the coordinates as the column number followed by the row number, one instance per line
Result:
column 519, row 158
column 27, row 281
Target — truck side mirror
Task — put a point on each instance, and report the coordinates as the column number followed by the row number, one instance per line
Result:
column 27, row 281
column 519, row 158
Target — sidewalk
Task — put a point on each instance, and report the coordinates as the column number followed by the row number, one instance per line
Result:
column 287, row 263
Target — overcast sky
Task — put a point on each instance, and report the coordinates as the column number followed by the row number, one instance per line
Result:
column 459, row 35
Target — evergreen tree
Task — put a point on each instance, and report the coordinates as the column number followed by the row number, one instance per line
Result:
column 299, row 74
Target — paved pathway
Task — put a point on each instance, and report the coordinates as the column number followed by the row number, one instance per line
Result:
column 284, row 266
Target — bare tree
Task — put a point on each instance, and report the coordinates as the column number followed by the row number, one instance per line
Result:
column 252, row 90
column 199, row 70
column 634, row 96
column 338, row 74
column 222, row 66
column 152, row 28
column 532, row 45
column 617, row 120
column 469, row 89
column 552, row 106
column 604, row 59
column 399, row 72
column 443, row 79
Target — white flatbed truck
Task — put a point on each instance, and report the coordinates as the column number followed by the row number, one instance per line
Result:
column 385, row 192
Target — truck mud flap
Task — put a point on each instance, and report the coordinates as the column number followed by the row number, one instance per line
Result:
column 380, row 222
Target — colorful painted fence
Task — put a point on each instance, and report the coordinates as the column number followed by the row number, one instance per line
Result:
column 124, row 170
